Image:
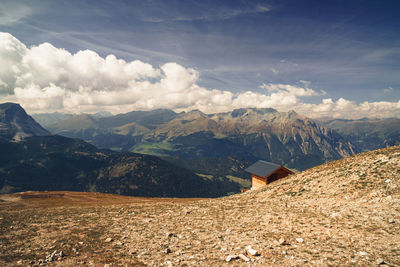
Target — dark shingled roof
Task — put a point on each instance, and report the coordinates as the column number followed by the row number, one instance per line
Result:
column 262, row 168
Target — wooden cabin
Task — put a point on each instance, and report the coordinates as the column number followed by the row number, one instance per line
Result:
column 263, row 173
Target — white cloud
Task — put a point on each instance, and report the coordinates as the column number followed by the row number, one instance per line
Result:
column 13, row 12
column 44, row 78
column 36, row 98
column 388, row 90
column 287, row 89
column 305, row 83
column 204, row 13
column 346, row 109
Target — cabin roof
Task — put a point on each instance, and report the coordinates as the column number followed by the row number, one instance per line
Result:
column 262, row 168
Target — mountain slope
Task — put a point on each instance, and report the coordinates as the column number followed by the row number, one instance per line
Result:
column 47, row 119
column 16, row 124
column 368, row 134
column 60, row 163
column 285, row 138
column 40, row 161
column 344, row 213
column 218, row 144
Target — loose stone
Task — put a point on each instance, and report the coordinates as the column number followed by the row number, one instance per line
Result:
column 231, row 257
column 300, row 240
column 243, row 257
column 252, row 251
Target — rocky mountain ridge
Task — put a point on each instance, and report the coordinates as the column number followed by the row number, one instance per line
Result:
column 214, row 144
column 367, row 134
column 15, row 124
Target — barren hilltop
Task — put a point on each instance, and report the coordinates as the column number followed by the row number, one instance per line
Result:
column 346, row 213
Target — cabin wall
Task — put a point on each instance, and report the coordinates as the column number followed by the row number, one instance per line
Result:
column 257, row 181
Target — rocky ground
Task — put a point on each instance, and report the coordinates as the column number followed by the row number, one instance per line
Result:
column 343, row 213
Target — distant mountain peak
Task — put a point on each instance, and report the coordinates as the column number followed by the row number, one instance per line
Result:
column 16, row 124
column 260, row 111
column 11, row 107
column 195, row 111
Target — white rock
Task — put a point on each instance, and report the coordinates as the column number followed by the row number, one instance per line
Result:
column 300, row 240
column 363, row 253
column 231, row 257
column 108, row 240
column 380, row 261
column 243, row 257
column 282, row 241
column 252, row 251
column 53, row 254
column 388, row 181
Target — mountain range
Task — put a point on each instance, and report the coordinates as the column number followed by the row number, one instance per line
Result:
column 33, row 159
column 219, row 145
column 367, row 134
column 164, row 153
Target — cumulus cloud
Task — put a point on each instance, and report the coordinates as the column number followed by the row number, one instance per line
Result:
column 288, row 89
column 346, row 109
column 44, row 78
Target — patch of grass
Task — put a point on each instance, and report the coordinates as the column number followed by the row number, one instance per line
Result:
column 243, row 182
column 207, row 176
column 296, row 193
column 154, row 148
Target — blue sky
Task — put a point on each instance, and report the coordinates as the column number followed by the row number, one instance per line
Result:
column 348, row 49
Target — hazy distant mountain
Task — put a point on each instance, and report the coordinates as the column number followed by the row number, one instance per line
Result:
column 367, row 134
column 149, row 119
column 102, row 114
column 15, row 124
column 217, row 144
column 41, row 161
column 120, row 132
column 46, row 119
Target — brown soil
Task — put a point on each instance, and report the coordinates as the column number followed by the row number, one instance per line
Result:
column 70, row 199
column 345, row 213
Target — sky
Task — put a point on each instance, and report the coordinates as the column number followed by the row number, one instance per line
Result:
column 336, row 59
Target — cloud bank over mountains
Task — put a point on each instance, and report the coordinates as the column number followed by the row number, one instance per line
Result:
column 44, row 78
